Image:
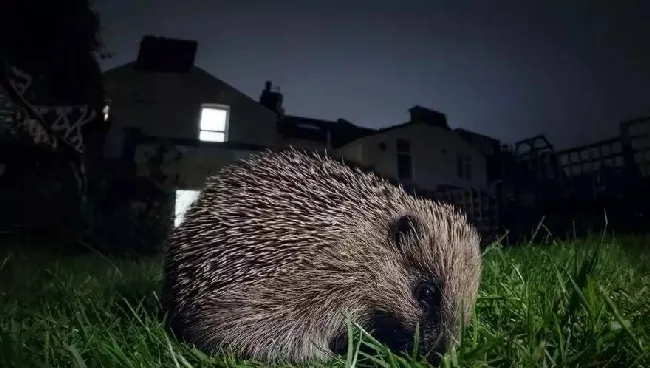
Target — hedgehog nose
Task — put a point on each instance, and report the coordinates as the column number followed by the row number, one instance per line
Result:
column 438, row 347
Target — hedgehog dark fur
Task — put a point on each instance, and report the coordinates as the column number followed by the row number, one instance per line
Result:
column 280, row 246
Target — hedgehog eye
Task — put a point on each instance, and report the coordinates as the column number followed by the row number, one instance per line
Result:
column 403, row 227
column 428, row 295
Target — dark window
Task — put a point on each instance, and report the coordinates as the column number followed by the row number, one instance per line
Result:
column 463, row 167
column 404, row 162
column 404, row 169
column 403, row 146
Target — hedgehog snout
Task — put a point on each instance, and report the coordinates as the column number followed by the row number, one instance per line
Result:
column 389, row 329
column 397, row 331
column 438, row 324
column 399, row 335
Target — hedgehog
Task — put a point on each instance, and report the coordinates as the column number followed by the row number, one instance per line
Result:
column 281, row 248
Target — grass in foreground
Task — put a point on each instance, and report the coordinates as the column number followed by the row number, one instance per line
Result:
column 563, row 304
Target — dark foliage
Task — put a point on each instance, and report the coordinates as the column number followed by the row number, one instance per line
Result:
column 134, row 212
column 57, row 44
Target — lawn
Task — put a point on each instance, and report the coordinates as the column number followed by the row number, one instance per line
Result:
column 575, row 304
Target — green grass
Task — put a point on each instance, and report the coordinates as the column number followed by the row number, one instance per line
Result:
column 576, row 304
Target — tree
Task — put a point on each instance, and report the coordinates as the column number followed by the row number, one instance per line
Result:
column 53, row 48
column 58, row 43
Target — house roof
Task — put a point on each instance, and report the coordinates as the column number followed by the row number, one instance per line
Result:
column 341, row 131
column 419, row 115
column 468, row 134
column 194, row 69
column 394, row 127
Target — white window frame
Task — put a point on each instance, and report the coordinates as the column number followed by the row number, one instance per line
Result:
column 204, row 134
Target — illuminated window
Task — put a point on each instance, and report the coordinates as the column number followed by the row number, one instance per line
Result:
column 213, row 124
column 184, row 199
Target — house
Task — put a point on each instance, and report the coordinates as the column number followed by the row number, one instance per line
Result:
column 423, row 152
column 163, row 95
column 490, row 148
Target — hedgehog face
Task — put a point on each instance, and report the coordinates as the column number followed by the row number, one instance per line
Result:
column 440, row 268
column 398, row 333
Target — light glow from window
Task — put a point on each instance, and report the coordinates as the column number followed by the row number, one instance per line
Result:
column 184, row 199
column 105, row 111
column 208, row 136
column 213, row 123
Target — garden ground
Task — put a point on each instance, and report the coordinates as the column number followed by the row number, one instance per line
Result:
column 574, row 304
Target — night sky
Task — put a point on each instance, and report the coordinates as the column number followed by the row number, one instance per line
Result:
column 509, row 69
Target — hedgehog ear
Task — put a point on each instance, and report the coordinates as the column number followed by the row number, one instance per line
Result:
column 403, row 228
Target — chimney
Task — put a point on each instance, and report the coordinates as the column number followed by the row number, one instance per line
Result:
column 166, row 55
column 419, row 114
column 272, row 100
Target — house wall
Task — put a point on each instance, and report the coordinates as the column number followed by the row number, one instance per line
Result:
column 186, row 176
column 485, row 145
column 194, row 166
column 490, row 148
column 434, row 153
column 168, row 105
column 354, row 151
